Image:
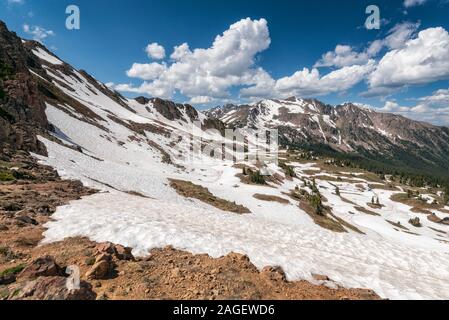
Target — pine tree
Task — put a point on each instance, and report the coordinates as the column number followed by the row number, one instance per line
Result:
column 337, row 191
column 446, row 194
column 409, row 193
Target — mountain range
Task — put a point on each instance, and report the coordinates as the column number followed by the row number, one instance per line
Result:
column 351, row 131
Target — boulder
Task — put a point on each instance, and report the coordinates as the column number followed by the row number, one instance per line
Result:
column 118, row 251
column 42, row 267
column 26, row 219
column 53, row 288
column 105, row 247
column 103, row 257
column 99, row 270
column 123, row 253
column 7, row 279
column 320, row 277
column 415, row 222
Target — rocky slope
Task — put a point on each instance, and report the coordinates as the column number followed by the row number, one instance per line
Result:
column 349, row 129
column 21, row 104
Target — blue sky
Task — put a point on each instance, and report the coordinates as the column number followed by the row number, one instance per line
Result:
column 263, row 56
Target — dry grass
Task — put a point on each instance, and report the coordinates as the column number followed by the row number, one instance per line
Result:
column 347, row 224
column 347, row 200
column 364, row 210
column 374, row 205
column 323, row 220
column 327, row 220
column 397, row 225
column 418, row 206
column 389, row 187
column 270, row 198
column 438, row 230
column 325, row 177
column 189, row 190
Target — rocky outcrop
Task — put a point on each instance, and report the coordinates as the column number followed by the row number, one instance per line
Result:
column 42, row 267
column 22, row 114
column 53, row 288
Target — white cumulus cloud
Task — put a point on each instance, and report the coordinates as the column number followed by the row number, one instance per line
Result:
column 155, row 51
column 345, row 55
column 16, row 1
column 413, row 3
column 38, row 33
column 146, row 71
column 421, row 60
column 342, row 56
column 180, row 52
column 210, row 72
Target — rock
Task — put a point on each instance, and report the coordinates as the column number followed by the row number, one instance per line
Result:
column 103, row 257
column 105, row 247
column 445, row 221
column 42, row 267
column 415, row 222
column 27, row 220
column 99, row 270
column 54, row 288
column 320, row 277
column 274, row 273
column 46, row 209
column 239, row 257
column 7, row 279
column 123, row 253
column 12, row 207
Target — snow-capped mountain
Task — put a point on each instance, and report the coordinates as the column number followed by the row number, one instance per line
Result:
column 348, row 128
column 124, row 147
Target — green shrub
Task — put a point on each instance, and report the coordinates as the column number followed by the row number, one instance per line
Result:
column 90, row 261
column 289, row 171
column 5, row 71
column 256, row 177
column 13, row 270
column 316, row 203
column 6, row 176
column 5, row 115
column 446, row 195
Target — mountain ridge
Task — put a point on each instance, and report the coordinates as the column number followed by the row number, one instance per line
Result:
column 348, row 129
